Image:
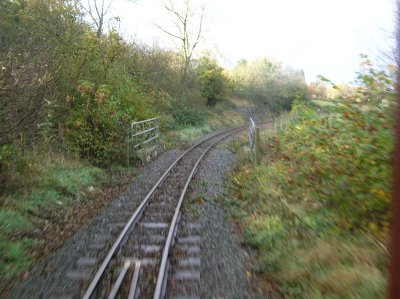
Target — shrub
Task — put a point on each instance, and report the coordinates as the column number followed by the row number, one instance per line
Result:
column 98, row 122
column 341, row 161
column 213, row 82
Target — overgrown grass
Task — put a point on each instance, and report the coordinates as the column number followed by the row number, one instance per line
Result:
column 15, row 256
column 58, row 183
column 223, row 115
column 312, row 209
column 327, row 103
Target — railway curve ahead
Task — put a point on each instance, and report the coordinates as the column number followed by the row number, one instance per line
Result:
column 136, row 265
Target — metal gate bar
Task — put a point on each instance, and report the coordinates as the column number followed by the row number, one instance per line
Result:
column 144, row 131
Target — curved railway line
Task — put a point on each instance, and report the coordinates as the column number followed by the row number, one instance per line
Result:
column 137, row 265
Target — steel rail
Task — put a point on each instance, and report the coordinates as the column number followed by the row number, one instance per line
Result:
column 163, row 266
column 135, row 217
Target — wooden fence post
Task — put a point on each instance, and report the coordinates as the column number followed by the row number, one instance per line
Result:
column 257, row 145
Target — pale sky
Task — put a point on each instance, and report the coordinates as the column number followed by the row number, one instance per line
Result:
column 319, row 36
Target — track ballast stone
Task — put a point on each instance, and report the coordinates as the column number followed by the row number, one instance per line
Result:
column 225, row 264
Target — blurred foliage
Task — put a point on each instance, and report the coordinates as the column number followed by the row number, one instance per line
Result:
column 342, row 161
column 53, row 185
column 15, row 257
column 317, row 90
column 268, row 82
column 318, row 207
column 372, row 86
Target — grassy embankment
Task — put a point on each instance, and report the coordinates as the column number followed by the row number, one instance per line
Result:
column 46, row 205
column 44, row 197
column 223, row 115
column 317, row 208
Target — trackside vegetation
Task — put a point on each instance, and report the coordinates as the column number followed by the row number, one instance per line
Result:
column 317, row 209
column 50, row 192
column 70, row 86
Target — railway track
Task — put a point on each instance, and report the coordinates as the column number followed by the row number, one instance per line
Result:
column 137, row 264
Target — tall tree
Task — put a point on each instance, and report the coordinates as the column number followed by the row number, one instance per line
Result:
column 188, row 23
column 97, row 11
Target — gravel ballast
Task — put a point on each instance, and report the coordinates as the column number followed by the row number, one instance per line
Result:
column 227, row 270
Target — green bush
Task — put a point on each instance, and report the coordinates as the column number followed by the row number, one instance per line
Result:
column 341, row 160
column 317, row 208
column 98, row 122
column 187, row 115
column 213, row 82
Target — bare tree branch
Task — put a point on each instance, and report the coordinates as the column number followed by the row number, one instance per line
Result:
column 167, row 32
column 97, row 11
column 200, row 28
column 171, row 10
column 184, row 20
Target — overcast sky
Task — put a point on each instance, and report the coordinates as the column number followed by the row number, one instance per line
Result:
column 320, row 36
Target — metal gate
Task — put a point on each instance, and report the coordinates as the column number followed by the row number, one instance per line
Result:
column 143, row 132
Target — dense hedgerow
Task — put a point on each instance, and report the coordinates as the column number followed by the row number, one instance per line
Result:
column 318, row 207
